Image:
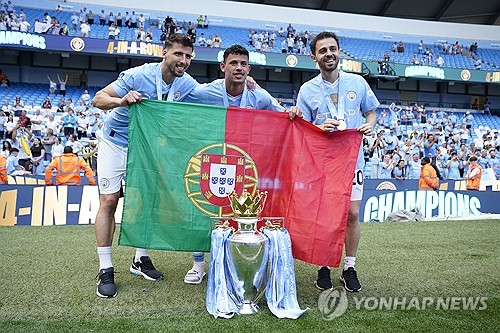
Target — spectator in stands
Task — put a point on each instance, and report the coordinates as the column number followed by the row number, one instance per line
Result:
column 83, row 79
column 206, row 21
column 484, row 159
column 7, row 108
column 13, row 166
column 377, row 151
column 413, row 166
column 487, row 107
column 52, row 86
column 201, row 40
column 392, row 141
column 127, row 20
column 387, row 56
column 467, row 119
column 102, row 17
column 199, row 22
column 6, row 148
column 74, row 21
column 57, row 148
column 10, row 126
column 47, row 18
column 439, row 61
column 62, row 85
column 64, row 31
column 36, row 123
column 141, row 20
column 163, row 36
column 69, row 123
column 82, row 125
column 68, row 168
column 495, row 163
column 46, row 104
column 457, row 47
column 401, row 47
column 53, row 124
column 399, row 172
column 387, row 167
column 217, row 41
column 477, row 63
column 94, row 125
column 4, row 80
column 453, row 167
column 119, row 20
column 86, row 97
column 82, row 17
column 90, row 18
column 149, row 36
column 430, row 147
column 24, row 25
column 210, row 41
column 3, row 119
column 37, row 156
column 48, row 142
column 415, row 60
column 85, row 29
column 18, row 106
column 474, row 174
column 140, row 35
column 74, row 144
column 111, row 19
column 111, row 31
column 58, row 9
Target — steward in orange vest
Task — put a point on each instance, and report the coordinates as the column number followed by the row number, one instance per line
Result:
column 68, row 167
column 474, row 175
column 428, row 176
column 3, row 170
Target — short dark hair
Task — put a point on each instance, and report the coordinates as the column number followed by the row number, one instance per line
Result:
column 425, row 160
column 178, row 39
column 473, row 158
column 323, row 35
column 12, row 150
column 235, row 49
column 68, row 149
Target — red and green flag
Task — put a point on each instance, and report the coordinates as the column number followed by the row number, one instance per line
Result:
column 184, row 159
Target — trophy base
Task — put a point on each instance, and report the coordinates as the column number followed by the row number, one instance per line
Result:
column 249, row 308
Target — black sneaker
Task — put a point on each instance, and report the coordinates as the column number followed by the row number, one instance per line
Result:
column 350, row 279
column 106, row 284
column 145, row 268
column 324, row 281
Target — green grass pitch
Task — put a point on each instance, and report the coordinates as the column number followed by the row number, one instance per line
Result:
column 48, row 281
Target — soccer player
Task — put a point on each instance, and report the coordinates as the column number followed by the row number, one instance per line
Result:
column 166, row 80
column 335, row 100
column 231, row 91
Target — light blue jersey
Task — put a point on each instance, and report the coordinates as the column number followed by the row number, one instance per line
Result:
column 214, row 93
column 355, row 98
column 147, row 80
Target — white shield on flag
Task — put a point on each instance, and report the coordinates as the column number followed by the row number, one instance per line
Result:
column 222, row 179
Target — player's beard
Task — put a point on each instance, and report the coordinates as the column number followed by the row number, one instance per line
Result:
column 324, row 67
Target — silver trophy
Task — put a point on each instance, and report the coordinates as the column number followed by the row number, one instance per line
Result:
column 248, row 249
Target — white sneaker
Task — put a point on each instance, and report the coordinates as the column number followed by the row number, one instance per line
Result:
column 194, row 277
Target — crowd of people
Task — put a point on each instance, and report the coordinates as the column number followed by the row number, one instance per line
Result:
column 444, row 138
column 31, row 142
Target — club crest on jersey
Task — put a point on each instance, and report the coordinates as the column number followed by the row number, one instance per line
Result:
column 220, row 175
column 351, row 95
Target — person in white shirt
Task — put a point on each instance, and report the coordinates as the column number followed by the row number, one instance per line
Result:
column 85, row 29
column 24, row 26
column 86, row 97
column 52, row 124
column 57, row 148
column 36, row 123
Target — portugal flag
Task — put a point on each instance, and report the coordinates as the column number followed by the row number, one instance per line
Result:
column 184, row 159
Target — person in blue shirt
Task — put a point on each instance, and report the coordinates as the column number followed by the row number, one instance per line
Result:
column 69, row 123
column 336, row 100
column 230, row 91
column 166, row 80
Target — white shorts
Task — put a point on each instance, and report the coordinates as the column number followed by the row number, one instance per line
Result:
column 357, row 185
column 111, row 164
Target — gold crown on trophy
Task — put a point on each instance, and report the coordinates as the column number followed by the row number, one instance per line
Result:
column 245, row 205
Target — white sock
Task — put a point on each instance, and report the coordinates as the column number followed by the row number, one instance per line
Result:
column 104, row 253
column 140, row 253
column 349, row 262
column 199, row 266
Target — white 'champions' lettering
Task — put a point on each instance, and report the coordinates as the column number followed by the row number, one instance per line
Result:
column 430, row 203
column 22, row 38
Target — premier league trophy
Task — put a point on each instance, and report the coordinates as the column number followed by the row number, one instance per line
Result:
column 248, row 248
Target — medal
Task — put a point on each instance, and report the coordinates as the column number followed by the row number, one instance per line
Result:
column 334, row 97
column 342, row 125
